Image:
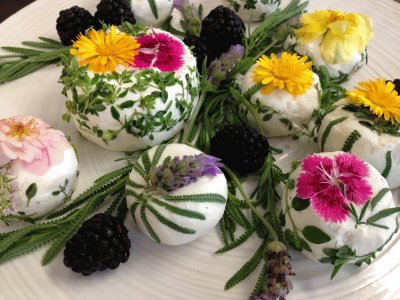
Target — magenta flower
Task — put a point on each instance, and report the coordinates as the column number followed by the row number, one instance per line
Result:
column 31, row 141
column 332, row 184
column 159, row 50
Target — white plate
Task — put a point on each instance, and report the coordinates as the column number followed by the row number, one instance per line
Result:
column 192, row 271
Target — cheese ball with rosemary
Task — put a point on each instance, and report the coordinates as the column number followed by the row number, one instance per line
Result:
column 38, row 168
column 138, row 95
column 286, row 96
column 337, row 206
column 355, row 128
column 255, row 11
column 176, row 193
column 334, row 39
column 151, row 13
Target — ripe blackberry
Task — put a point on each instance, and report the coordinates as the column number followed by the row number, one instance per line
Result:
column 221, row 29
column 114, row 12
column 396, row 83
column 73, row 21
column 102, row 242
column 199, row 48
column 240, row 147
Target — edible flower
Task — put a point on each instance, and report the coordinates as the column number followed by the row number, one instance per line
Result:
column 8, row 191
column 290, row 72
column 333, row 184
column 342, row 34
column 180, row 172
column 159, row 50
column 191, row 19
column 104, row 51
column 380, row 97
column 32, row 142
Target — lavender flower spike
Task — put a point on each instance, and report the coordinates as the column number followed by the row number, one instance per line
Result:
column 191, row 19
column 180, row 172
column 219, row 69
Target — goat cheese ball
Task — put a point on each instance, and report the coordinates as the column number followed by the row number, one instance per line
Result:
column 342, row 129
column 282, row 113
column 256, row 12
column 151, row 15
column 38, row 168
column 140, row 102
column 176, row 194
column 333, row 207
column 334, row 39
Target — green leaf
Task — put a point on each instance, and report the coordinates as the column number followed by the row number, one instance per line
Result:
column 146, row 223
column 383, row 214
column 247, row 268
column 115, row 113
column 153, row 7
column 336, row 269
column 331, row 252
column 240, row 240
column 350, row 141
column 261, row 282
column 126, row 104
column 378, row 197
column 315, row 235
column 179, row 211
column 364, row 210
column 299, row 204
column 31, row 192
column 146, row 162
column 215, row 198
column 328, row 130
column 388, row 166
column 157, row 155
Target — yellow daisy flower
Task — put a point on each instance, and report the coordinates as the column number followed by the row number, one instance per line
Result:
column 290, row 71
column 342, row 34
column 104, row 51
column 379, row 96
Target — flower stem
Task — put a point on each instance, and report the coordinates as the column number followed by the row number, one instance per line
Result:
column 250, row 204
column 192, row 120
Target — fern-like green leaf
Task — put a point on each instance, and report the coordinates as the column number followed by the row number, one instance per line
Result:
column 328, row 130
column 148, row 226
column 146, row 161
column 42, row 45
column 388, row 166
column 179, row 211
column 224, row 230
column 168, row 222
column 114, row 174
column 117, row 200
column 157, row 155
column 133, row 184
column 251, row 91
column 247, row 268
column 132, row 193
column 215, row 198
column 139, row 169
column 51, row 41
column 261, row 281
column 236, row 214
column 133, row 208
column 240, row 240
column 350, row 141
column 23, row 51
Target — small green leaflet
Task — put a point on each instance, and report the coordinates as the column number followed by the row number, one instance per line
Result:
column 383, row 214
column 378, row 197
column 315, row 235
column 299, row 204
column 388, row 167
column 31, row 192
column 115, row 113
column 328, row 130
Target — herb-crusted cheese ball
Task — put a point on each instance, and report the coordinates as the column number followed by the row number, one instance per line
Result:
column 334, row 207
column 286, row 100
column 253, row 11
column 151, row 12
column 176, row 193
column 38, row 168
column 334, row 39
column 354, row 128
column 134, row 97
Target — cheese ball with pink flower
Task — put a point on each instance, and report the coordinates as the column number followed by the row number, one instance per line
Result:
column 129, row 88
column 38, row 168
column 337, row 205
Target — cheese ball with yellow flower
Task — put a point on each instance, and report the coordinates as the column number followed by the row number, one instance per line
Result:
column 287, row 94
column 335, row 39
column 367, row 123
column 129, row 88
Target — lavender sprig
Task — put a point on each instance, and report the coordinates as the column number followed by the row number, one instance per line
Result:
column 180, row 172
column 191, row 17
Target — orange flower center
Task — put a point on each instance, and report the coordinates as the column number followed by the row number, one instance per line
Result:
column 335, row 16
column 20, row 130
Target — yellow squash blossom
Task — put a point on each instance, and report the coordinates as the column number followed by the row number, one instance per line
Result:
column 104, row 51
column 290, row 72
column 380, row 97
column 342, row 34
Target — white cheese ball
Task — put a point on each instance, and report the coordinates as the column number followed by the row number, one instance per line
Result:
column 362, row 238
column 282, row 105
column 335, row 70
column 370, row 146
column 144, row 113
column 212, row 211
column 262, row 9
column 147, row 15
column 50, row 190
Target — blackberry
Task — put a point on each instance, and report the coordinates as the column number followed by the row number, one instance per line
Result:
column 240, row 147
column 102, row 242
column 221, row 29
column 199, row 48
column 396, row 83
column 73, row 21
column 114, row 12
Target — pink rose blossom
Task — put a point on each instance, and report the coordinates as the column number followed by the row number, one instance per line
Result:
column 332, row 184
column 31, row 141
column 159, row 50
